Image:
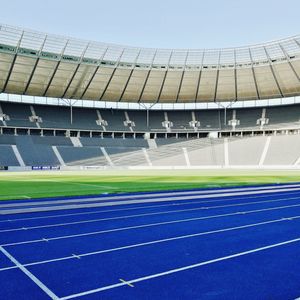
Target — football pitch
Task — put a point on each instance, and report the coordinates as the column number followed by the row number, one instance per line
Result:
column 41, row 184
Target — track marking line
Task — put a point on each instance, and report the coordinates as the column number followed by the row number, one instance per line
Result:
column 126, row 282
column 148, row 225
column 215, row 191
column 149, row 207
column 29, row 274
column 127, row 202
column 145, row 214
column 151, row 195
column 185, row 268
column 156, row 242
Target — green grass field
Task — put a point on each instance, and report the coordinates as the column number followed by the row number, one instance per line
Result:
column 22, row 185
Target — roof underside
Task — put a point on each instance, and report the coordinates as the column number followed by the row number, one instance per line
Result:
column 37, row 64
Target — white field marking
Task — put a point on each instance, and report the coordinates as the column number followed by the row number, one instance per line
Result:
column 188, row 267
column 148, row 225
column 29, row 274
column 15, row 197
column 147, row 214
column 167, row 199
column 145, row 206
column 70, row 183
column 78, row 256
column 155, row 195
column 126, row 282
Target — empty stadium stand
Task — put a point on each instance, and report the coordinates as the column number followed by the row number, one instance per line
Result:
column 43, row 135
column 108, row 121
column 256, row 151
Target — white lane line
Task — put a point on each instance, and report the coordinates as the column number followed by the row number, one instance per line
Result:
column 142, row 196
column 147, row 207
column 78, row 256
column 144, row 215
column 115, row 203
column 29, row 274
column 126, row 282
column 155, row 195
column 149, row 225
column 188, row 267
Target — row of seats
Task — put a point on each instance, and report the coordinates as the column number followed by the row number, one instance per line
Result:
column 37, row 150
column 248, row 151
column 35, row 116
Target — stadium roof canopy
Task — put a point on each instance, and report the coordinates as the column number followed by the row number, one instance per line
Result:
column 38, row 64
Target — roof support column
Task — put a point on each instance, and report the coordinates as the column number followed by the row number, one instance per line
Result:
column 128, row 79
column 182, row 75
column 254, row 76
column 217, row 78
column 273, row 73
column 12, row 63
column 199, row 77
column 77, row 67
column 34, row 68
column 112, row 75
column 94, row 74
column 147, row 77
column 55, row 69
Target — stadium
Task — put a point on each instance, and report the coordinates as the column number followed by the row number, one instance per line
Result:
column 148, row 173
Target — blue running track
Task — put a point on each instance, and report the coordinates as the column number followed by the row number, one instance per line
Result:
column 229, row 243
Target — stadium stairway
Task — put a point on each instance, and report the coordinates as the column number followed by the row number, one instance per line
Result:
column 162, row 156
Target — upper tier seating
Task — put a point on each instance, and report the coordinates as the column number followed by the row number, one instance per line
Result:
column 58, row 117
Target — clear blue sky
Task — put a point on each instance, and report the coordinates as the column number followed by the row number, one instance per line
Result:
column 159, row 23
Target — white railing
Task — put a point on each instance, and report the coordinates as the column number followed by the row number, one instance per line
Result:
column 144, row 106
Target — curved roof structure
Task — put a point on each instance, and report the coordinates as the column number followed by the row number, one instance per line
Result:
column 38, row 64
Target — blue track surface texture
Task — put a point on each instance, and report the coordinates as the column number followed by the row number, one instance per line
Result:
column 236, row 243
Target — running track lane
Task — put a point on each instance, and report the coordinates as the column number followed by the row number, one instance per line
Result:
column 250, row 262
